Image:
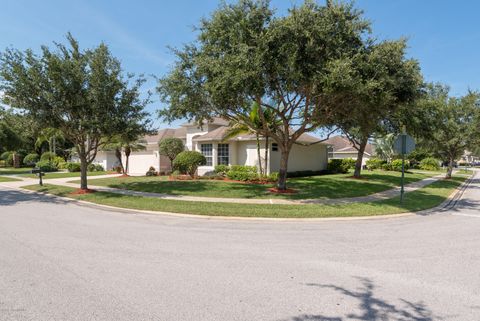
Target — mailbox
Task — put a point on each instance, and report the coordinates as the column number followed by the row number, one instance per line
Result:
column 39, row 173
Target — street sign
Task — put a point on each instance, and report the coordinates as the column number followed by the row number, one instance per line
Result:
column 404, row 144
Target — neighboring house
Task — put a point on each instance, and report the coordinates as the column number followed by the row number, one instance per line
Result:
column 469, row 157
column 340, row 147
column 308, row 154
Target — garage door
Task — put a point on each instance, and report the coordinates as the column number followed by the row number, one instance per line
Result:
column 139, row 163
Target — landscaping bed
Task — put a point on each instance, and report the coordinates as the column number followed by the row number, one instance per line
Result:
column 424, row 198
column 315, row 187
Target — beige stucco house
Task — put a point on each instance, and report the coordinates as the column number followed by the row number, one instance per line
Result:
column 209, row 139
column 340, row 147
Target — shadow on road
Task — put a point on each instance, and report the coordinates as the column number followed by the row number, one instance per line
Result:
column 371, row 307
column 13, row 197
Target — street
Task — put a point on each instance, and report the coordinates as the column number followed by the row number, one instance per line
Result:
column 65, row 261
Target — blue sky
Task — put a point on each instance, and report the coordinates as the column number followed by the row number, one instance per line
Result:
column 443, row 35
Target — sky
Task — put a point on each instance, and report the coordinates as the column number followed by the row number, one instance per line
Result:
column 444, row 36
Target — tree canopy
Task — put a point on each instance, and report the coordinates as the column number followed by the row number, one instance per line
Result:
column 244, row 52
column 83, row 93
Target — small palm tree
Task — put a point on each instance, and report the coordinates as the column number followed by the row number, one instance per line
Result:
column 384, row 147
column 129, row 147
column 50, row 136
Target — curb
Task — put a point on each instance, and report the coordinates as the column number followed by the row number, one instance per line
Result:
column 442, row 208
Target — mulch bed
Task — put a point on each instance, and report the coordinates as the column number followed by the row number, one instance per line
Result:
column 82, row 191
column 275, row 190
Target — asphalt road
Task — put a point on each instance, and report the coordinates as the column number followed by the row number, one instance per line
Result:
column 62, row 261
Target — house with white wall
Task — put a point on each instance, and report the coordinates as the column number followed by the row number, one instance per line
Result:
column 309, row 153
column 341, row 147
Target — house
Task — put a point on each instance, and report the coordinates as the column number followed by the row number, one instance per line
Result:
column 308, row 154
column 341, row 147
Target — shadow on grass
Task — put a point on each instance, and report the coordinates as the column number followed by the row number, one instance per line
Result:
column 371, row 307
column 316, row 187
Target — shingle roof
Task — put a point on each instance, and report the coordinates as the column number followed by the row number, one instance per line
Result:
column 167, row 132
column 219, row 134
column 341, row 144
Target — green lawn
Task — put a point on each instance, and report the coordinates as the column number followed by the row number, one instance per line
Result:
column 7, row 179
column 316, row 187
column 424, row 198
column 53, row 175
column 14, row 171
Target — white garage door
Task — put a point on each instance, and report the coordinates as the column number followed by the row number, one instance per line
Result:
column 139, row 163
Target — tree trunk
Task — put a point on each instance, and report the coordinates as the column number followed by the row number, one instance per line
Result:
column 266, row 154
column 83, row 172
column 449, row 169
column 358, row 163
column 282, row 173
column 118, row 155
column 259, row 155
column 54, row 145
column 127, row 155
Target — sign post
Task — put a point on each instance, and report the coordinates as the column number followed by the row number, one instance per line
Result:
column 403, row 145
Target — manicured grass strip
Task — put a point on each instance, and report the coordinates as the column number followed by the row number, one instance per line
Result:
column 14, row 171
column 53, row 175
column 424, row 198
column 7, row 179
column 316, row 187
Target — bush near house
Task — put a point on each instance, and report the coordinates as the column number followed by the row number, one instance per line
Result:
column 46, row 166
column 7, row 157
column 30, row 159
column 375, row 163
column 349, row 162
column 397, row 165
column 243, row 173
column 430, row 164
column 222, row 170
column 151, row 172
column 187, row 162
column 47, row 157
column 73, row 167
column 95, row 168
column 338, row 166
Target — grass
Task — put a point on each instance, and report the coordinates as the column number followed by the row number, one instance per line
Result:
column 316, row 187
column 7, row 179
column 424, row 198
column 53, row 175
column 14, row 171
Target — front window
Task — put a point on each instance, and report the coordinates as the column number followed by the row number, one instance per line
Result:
column 274, row 147
column 330, row 151
column 206, row 150
column 223, row 154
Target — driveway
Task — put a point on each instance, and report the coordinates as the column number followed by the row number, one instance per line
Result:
column 63, row 261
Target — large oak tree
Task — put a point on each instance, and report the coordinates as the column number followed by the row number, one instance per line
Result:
column 244, row 52
column 83, row 93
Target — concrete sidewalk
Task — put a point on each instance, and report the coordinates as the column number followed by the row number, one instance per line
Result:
column 361, row 199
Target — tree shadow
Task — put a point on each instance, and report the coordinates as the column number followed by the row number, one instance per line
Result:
column 371, row 307
column 12, row 197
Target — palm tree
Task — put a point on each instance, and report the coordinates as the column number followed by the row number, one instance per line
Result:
column 129, row 147
column 242, row 128
column 384, row 147
column 115, row 144
column 50, row 136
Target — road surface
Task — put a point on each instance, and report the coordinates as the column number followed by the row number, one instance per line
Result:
column 64, row 261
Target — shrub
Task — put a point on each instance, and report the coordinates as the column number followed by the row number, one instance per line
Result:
column 8, row 158
column 117, row 169
column 374, row 163
column 244, row 168
column 242, row 175
column 386, row 167
column 273, row 177
column 151, row 172
column 91, row 168
column 429, row 164
column 222, row 170
column 73, row 167
column 47, row 157
column 30, row 159
column 337, row 166
column 46, row 166
column 397, row 165
column 99, row 168
column 187, row 162
column 349, row 163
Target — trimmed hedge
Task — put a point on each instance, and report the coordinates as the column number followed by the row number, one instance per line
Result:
column 430, row 164
column 375, row 163
column 73, row 167
column 30, row 159
column 337, row 166
column 46, row 166
column 243, row 173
